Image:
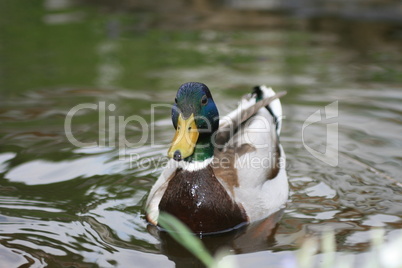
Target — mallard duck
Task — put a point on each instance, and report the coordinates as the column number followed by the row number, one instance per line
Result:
column 223, row 172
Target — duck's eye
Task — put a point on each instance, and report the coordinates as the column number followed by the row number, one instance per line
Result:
column 204, row 100
column 175, row 100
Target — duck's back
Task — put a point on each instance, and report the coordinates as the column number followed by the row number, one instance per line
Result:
column 259, row 160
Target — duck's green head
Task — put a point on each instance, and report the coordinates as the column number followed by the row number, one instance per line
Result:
column 195, row 118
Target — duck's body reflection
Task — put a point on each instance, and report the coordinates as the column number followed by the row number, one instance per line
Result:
column 257, row 236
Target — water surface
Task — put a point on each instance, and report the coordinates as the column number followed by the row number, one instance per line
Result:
column 64, row 205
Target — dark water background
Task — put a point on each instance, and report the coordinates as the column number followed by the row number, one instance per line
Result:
column 64, row 205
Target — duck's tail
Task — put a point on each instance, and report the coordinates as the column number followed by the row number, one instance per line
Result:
column 275, row 107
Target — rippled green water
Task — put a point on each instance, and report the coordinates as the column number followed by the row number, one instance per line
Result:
column 64, row 205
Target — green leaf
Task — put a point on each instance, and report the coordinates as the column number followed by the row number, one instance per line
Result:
column 183, row 235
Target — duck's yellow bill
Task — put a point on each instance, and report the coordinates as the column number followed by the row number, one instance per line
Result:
column 185, row 139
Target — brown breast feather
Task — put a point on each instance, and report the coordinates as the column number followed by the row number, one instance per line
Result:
column 200, row 201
